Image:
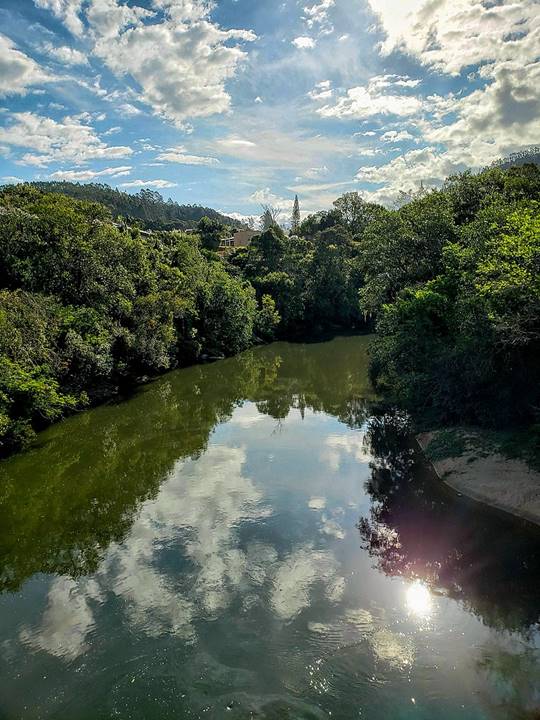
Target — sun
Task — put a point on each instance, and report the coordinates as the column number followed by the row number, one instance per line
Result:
column 419, row 600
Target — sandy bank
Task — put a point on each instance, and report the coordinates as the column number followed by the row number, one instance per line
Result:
column 504, row 483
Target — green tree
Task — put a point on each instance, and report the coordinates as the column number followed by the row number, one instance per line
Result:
column 295, row 220
column 211, row 233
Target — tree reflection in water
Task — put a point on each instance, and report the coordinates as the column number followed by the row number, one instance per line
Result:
column 65, row 501
column 419, row 528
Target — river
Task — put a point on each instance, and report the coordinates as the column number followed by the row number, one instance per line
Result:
column 256, row 538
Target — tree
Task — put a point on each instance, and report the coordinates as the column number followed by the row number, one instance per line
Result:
column 211, row 232
column 295, row 222
column 354, row 213
column 267, row 318
column 269, row 217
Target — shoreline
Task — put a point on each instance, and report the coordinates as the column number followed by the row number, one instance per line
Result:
column 504, row 483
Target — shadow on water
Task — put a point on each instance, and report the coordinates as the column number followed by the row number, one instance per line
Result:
column 418, row 528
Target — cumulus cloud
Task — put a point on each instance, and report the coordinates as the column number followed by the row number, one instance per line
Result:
column 304, row 43
column 71, row 140
column 494, row 120
column 181, row 61
column 321, row 91
column 65, row 10
column 469, row 130
column 453, row 34
column 370, row 100
column 65, row 55
column 18, row 72
column 395, row 136
column 265, row 196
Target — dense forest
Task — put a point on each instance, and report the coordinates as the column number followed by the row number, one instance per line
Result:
column 450, row 282
column 87, row 307
column 147, row 208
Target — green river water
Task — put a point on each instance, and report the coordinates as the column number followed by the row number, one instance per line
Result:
column 255, row 539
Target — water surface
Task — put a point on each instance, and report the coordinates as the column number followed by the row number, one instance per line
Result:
column 254, row 539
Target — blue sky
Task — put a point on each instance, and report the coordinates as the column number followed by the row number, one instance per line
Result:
column 236, row 103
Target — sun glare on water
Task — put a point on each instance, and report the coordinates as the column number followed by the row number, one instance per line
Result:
column 418, row 599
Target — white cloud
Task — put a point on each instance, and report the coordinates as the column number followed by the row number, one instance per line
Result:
column 107, row 18
column 501, row 117
column 71, row 140
column 129, row 110
column 65, row 54
column 65, row 10
column 315, row 172
column 321, row 91
column 235, row 142
column 253, row 220
column 181, row 62
column 303, row 43
column 66, row 622
column 149, row 183
column 82, row 175
column 395, row 136
column 317, row 16
column 379, row 82
column 18, row 72
column 297, row 575
column 265, row 196
column 471, row 129
column 338, row 446
column 367, row 101
column 180, row 156
column 450, row 35
column 264, row 145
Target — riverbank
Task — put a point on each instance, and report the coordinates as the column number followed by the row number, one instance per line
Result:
column 468, row 462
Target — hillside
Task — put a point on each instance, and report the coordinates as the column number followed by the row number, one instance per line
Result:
column 524, row 157
column 147, row 207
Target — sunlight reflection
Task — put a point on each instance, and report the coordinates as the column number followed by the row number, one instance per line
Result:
column 419, row 601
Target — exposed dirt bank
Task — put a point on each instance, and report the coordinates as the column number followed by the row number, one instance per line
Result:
column 505, row 483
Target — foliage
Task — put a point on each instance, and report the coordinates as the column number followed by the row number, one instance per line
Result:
column 267, row 318
column 146, row 208
column 313, row 276
column 451, row 280
column 454, row 281
column 87, row 306
column 211, row 232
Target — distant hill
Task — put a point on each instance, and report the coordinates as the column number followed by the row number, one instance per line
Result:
column 523, row 157
column 147, row 207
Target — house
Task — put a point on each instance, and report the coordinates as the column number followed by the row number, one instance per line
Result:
column 241, row 238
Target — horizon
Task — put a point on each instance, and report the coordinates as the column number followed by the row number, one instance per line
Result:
column 236, row 104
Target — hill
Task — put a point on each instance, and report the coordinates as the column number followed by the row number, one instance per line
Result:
column 147, row 207
column 523, row 157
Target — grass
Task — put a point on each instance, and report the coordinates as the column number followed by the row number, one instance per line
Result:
column 521, row 444
column 451, row 442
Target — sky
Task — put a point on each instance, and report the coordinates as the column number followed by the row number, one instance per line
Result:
column 238, row 103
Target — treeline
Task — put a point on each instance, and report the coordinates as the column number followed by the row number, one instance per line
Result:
column 86, row 307
column 451, row 282
column 147, row 208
